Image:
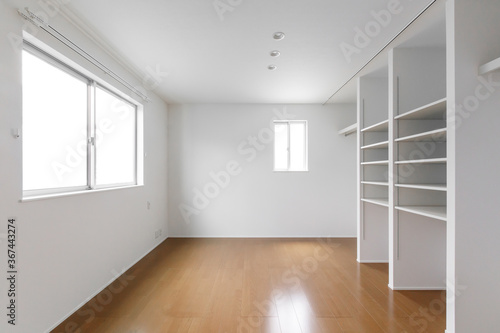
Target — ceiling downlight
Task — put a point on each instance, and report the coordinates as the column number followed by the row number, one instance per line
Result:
column 279, row 35
column 274, row 53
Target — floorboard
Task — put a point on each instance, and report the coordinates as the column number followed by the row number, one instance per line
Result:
column 257, row 286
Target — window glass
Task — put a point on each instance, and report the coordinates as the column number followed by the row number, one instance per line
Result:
column 54, row 126
column 297, row 146
column 115, row 139
column 280, row 146
column 290, row 145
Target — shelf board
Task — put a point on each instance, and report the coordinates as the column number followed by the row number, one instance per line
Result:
column 349, row 130
column 434, row 110
column 378, row 145
column 375, row 183
column 435, row 212
column 383, row 126
column 379, row 201
column 386, row 162
column 438, row 135
column 432, row 187
column 424, row 161
column 490, row 67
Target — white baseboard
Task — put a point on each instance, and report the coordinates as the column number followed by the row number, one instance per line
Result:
column 373, row 261
column 263, row 236
column 105, row 286
column 416, row 288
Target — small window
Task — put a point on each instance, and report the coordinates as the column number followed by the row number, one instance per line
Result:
column 290, row 145
column 77, row 133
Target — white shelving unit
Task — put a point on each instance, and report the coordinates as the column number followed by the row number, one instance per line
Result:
column 418, row 164
column 383, row 162
column 383, row 144
column 432, row 187
column 380, row 202
column 489, row 67
column 441, row 160
column 431, row 217
column 376, row 183
column 433, row 110
column 438, row 135
column 373, row 166
column 349, row 130
column 435, row 212
column 382, row 126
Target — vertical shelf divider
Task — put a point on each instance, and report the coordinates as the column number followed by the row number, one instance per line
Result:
column 372, row 117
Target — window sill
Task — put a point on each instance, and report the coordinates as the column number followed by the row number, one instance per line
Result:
column 68, row 194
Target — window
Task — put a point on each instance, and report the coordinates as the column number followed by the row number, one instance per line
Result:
column 115, row 140
column 78, row 134
column 290, row 145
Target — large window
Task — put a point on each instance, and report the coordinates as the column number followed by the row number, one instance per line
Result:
column 77, row 133
column 290, row 145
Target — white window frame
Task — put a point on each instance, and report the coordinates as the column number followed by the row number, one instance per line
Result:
column 47, row 54
column 306, row 139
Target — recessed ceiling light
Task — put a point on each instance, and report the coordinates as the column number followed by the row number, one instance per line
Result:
column 279, row 35
column 272, row 67
column 275, row 53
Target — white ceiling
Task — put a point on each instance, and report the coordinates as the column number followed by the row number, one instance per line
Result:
column 212, row 58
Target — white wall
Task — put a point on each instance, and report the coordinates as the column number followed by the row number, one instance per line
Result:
column 258, row 202
column 473, row 226
column 69, row 248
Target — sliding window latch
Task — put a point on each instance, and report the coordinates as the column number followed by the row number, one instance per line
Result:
column 91, row 141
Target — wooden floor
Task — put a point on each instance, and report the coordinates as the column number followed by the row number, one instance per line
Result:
column 257, row 285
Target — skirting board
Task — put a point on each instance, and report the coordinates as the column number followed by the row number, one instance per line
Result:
column 261, row 237
column 372, row 261
column 416, row 288
column 104, row 287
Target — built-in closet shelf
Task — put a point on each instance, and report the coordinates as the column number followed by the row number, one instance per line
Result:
column 373, row 168
column 438, row 135
column 435, row 212
column 378, row 145
column 375, row 183
column 378, row 201
column 424, row 161
column 385, row 162
column 349, row 130
column 418, row 169
column 432, row 187
column 383, row 126
column 434, row 110
column 491, row 66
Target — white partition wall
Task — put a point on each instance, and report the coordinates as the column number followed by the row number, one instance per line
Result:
column 473, row 274
column 373, row 158
column 417, row 217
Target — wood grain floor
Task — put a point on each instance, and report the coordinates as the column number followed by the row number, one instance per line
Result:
column 257, row 286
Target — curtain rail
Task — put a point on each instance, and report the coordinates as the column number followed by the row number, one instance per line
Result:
column 37, row 21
